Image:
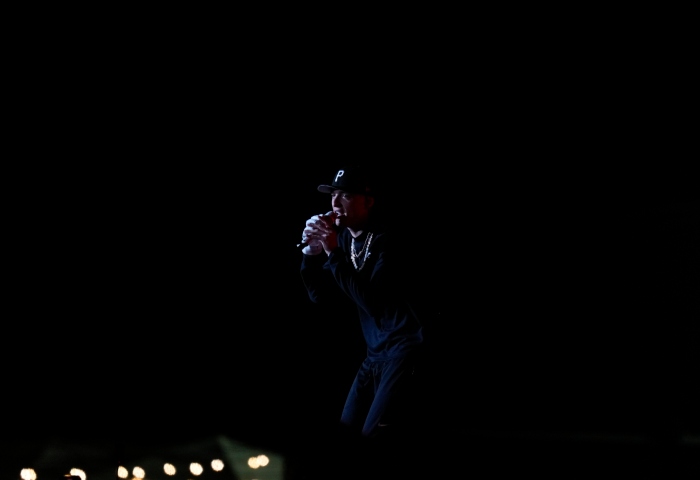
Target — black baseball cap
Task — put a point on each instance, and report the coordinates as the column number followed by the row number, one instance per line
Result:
column 353, row 179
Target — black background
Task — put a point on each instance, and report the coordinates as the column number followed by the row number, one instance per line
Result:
column 564, row 303
column 154, row 204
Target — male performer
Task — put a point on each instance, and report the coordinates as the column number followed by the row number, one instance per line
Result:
column 350, row 252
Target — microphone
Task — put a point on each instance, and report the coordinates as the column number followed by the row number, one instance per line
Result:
column 333, row 216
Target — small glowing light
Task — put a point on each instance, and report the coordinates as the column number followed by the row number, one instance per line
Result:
column 122, row 472
column 253, row 462
column 169, row 469
column 138, row 472
column 27, row 474
column 196, row 468
column 217, row 465
column 78, row 472
column 263, row 460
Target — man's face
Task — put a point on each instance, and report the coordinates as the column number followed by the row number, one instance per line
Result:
column 352, row 209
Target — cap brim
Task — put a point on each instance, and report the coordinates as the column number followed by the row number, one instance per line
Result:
column 326, row 188
column 331, row 189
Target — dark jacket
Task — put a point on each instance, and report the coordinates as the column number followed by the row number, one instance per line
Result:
column 381, row 291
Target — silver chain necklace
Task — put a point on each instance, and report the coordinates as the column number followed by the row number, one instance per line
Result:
column 365, row 248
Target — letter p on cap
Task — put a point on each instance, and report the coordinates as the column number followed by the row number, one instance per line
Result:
column 340, row 174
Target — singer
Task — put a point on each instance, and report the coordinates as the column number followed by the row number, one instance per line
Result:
column 349, row 253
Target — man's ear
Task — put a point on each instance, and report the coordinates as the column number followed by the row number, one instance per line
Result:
column 369, row 201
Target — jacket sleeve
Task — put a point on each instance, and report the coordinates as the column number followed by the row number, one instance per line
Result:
column 318, row 280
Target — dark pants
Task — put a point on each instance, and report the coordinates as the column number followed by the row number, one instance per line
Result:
column 383, row 397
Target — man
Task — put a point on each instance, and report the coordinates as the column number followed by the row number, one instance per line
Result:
column 349, row 252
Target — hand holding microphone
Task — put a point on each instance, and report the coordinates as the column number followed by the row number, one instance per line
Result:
column 319, row 234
